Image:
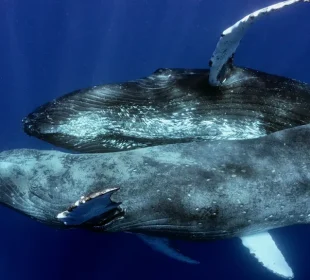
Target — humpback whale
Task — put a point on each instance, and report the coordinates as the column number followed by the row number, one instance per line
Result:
column 177, row 105
column 195, row 191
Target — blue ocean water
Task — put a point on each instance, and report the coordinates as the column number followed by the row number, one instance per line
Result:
column 52, row 47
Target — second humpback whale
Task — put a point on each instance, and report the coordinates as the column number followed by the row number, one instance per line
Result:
column 196, row 191
column 177, row 105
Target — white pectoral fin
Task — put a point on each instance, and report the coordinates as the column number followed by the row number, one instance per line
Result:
column 265, row 250
column 162, row 245
column 232, row 36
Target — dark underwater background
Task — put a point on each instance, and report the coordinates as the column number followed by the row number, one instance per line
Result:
column 51, row 47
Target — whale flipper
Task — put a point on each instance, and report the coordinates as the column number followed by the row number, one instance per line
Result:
column 89, row 208
column 223, row 55
column 265, row 250
column 162, row 245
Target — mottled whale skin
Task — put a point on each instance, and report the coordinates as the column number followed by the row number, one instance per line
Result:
column 171, row 106
column 198, row 191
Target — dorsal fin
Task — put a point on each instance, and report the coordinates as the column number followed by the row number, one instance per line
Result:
column 222, row 56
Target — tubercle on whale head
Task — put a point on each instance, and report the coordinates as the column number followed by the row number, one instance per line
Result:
column 31, row 121
column 40, row 124
column 29, row 126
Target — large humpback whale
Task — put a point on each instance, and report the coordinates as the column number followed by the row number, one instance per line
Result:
column 177, row 105
column 196, row 191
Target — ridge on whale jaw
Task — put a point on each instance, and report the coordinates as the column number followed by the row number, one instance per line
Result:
column 171, row 106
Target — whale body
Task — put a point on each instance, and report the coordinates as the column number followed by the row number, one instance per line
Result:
column 171, row 106
column 177, row 105
column 194, row 191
